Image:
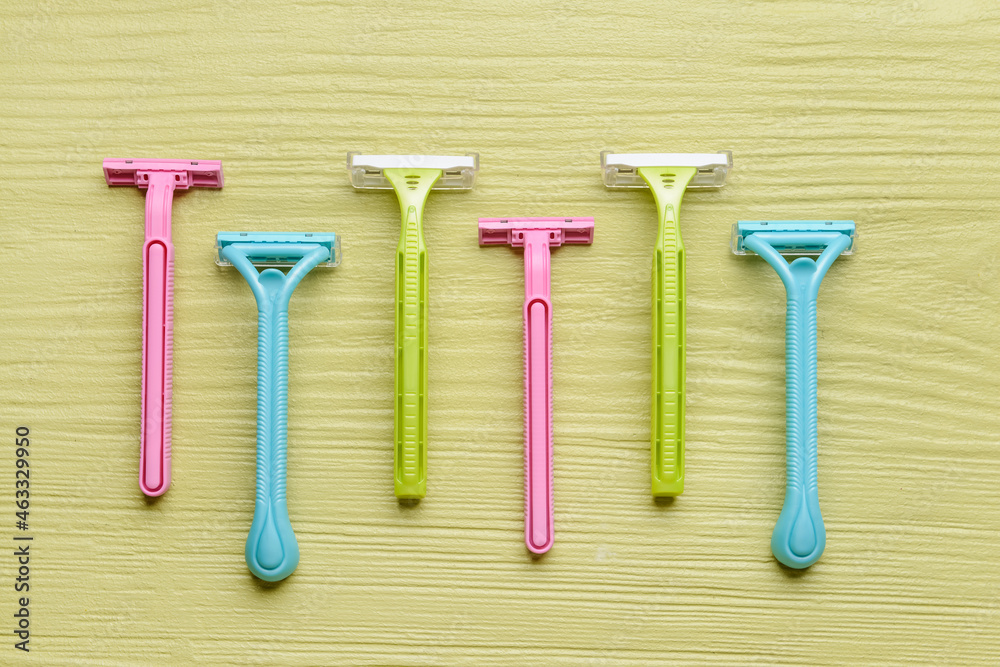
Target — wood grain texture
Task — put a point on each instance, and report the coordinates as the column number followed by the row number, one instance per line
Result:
column 885, row 113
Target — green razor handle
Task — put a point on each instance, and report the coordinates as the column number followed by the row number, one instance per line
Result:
column 667, row 439
column 410, row 467
column 668, row 175
column 411, row 177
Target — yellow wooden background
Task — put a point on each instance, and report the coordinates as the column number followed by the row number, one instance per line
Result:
column 885, row 113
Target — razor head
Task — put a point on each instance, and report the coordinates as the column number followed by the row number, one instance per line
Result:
column 794, row 237
column 277, row 248
column 458, row 171
column 621, row 170
column 510, row 231
column 187, row 173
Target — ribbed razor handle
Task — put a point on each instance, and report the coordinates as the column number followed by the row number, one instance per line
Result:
column 799, row 535
column 271, row 548
column 668, row 360
column 157, row 337
column 411, row 361
column 410, row 431
column 272, row 552
column 667, row 427
column 539, row 532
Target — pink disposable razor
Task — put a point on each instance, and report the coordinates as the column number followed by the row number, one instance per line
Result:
column 159, row 178
column 536, row 236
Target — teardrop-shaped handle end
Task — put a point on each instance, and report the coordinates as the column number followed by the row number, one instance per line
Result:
column 799, row 535
column 272, row 552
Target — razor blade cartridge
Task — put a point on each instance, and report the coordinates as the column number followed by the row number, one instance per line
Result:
column 187, row 173
column 794, row 237
column 458, row 171
column 499, row 231
column 621, row 170
column 277, row 249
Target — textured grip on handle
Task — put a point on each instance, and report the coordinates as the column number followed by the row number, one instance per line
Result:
column 272, row 552
column 410, row 431
column 667, row 427
column 157, row 336
column 799, row 535
column 668, row 362
column 539, row 530
column 411, row 361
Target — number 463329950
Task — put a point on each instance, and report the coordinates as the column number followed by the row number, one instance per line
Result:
column 21, row 476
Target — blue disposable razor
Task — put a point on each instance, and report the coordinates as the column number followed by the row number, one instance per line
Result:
column 272, row 552
column 799, row 536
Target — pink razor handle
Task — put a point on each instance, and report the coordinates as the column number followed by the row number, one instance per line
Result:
column 159, row 178
column 536, row 236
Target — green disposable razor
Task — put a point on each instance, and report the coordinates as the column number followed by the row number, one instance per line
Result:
column 412, row 177
column 668, row 175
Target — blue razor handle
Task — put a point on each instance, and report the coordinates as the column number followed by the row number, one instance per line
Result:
column 799, row 536
column 272, row 552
